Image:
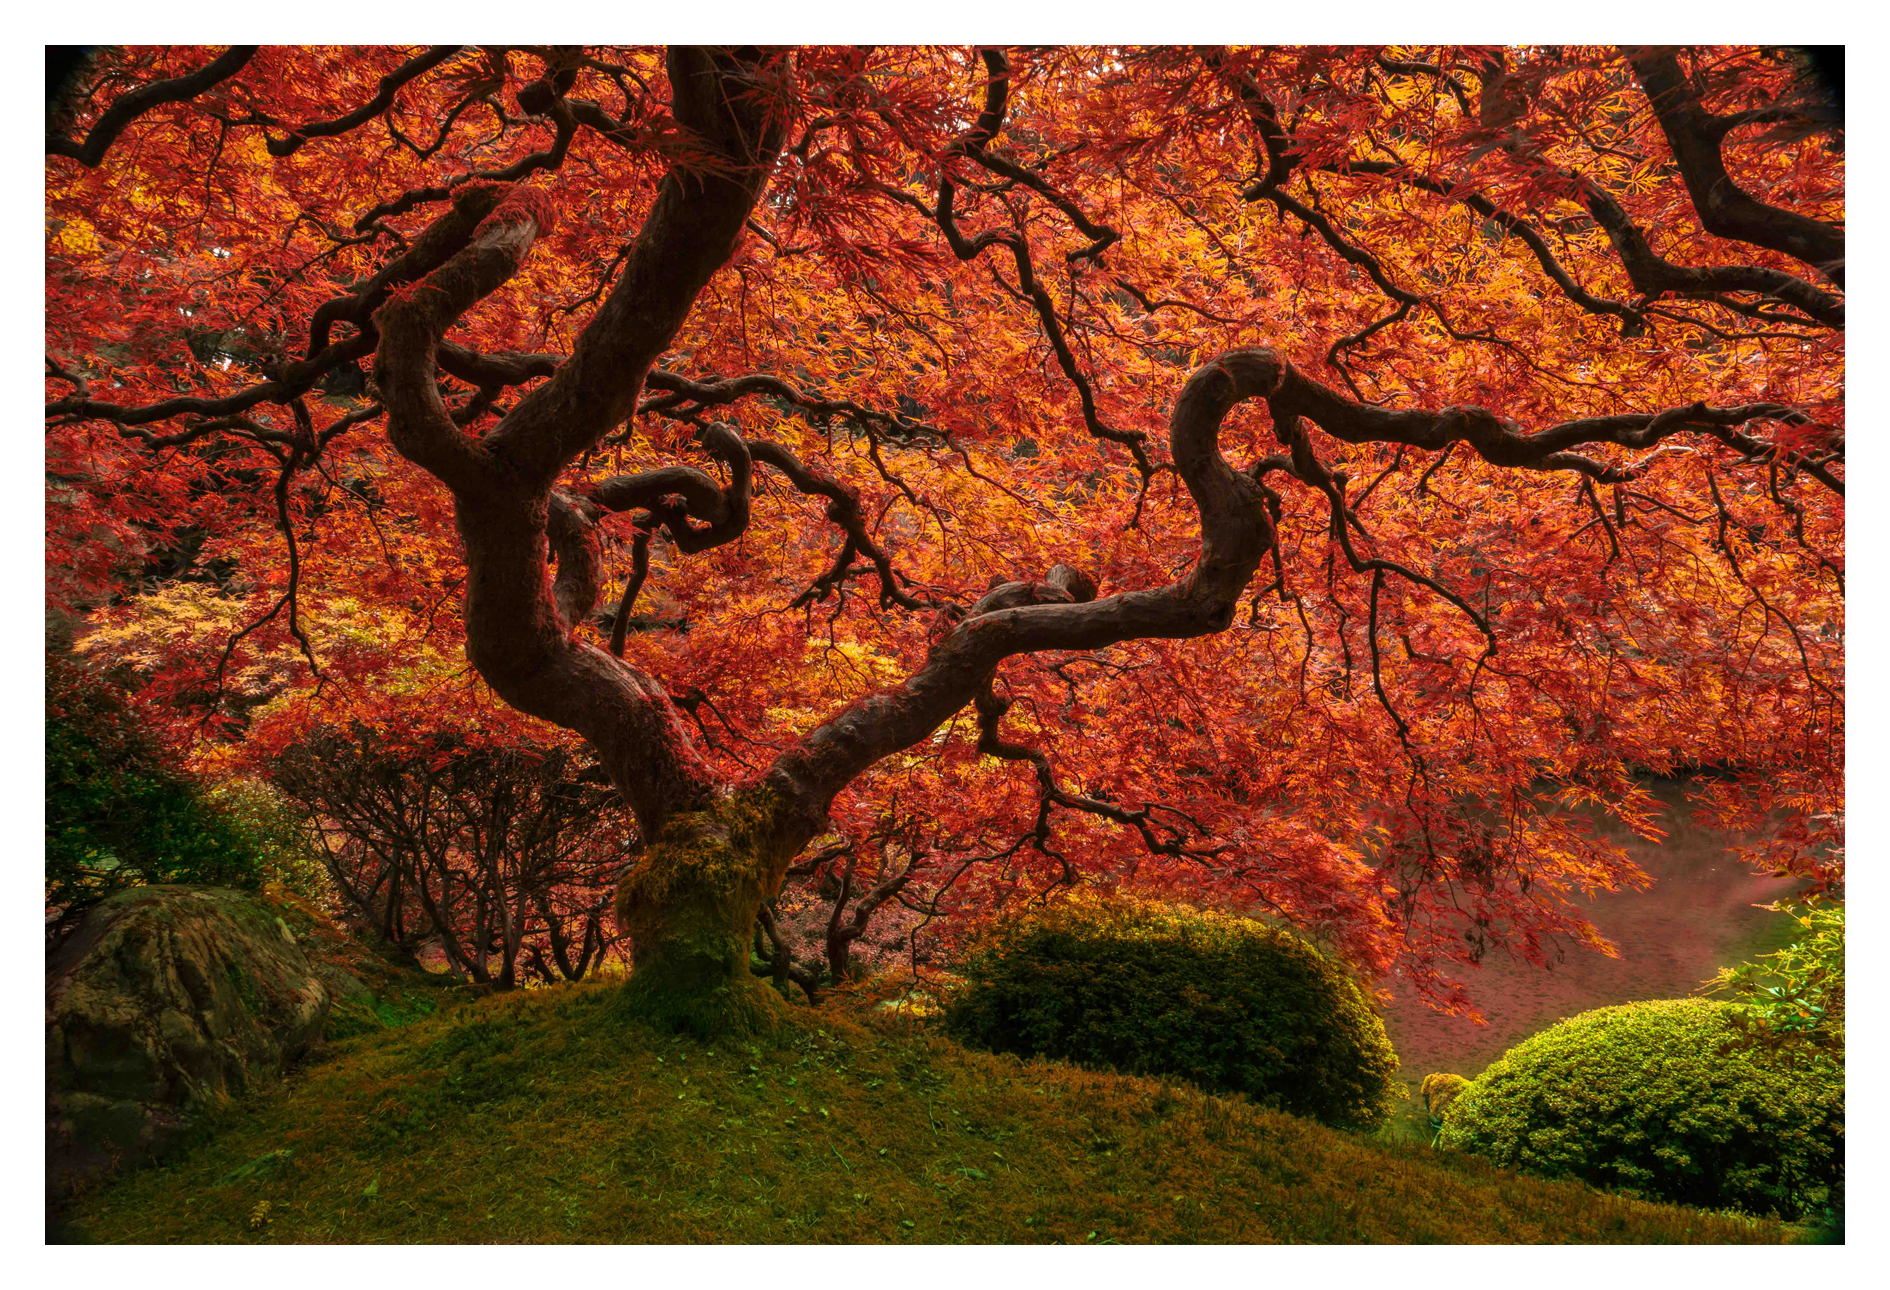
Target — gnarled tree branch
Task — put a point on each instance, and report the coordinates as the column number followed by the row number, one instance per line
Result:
column 129, row 107
column 1726, row 209
column 1237, row 532
column 518, row 632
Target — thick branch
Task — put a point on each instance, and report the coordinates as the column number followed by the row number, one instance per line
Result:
column 473, row 204
column 1727, row 210
column 518, row 633
column 725, row 511
column 442, row 239
column 1503, row 443
column 412, row 323
column 690, row 233
column 1235, row 534
column 571, row 526
column 1654, row 276
column 129, row 107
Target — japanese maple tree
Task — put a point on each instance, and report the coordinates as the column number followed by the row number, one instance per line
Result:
column 1287, row 478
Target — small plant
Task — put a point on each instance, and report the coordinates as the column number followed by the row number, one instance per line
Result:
column 1146, row 988
column 1662, row 1100
column 1438, row 1092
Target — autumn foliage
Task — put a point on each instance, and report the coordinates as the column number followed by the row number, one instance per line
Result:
column 1279, row 478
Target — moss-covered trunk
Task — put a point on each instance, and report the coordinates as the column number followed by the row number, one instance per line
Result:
column 689, row 906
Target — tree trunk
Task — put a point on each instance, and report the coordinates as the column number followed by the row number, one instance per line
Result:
column 689, row 905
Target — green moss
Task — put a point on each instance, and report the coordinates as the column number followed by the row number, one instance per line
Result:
column 723, row 861
column 1661, row 1100
column 1148, row 988
column 245, row 988
column 689, row 904
column 370, row 1013
column 542, row 1116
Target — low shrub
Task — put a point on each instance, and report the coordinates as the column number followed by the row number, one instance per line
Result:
column 1664, row 1101
column 1151, row 989
column 273, row 830
column 1439, row 1091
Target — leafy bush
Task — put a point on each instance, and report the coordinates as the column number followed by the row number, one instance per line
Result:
column 274, row 829
column 1439, row 1091
column 1796, row 995
column 1662, row 1100
column 1792, row 1003
column 119, row 813
column 1146, row 988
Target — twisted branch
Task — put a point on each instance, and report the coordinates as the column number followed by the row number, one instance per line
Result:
column 130, row 106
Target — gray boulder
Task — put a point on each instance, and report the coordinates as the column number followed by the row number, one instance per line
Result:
column 163, row 1002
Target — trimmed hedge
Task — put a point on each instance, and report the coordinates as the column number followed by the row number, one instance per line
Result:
column 1145, row 988
column 1662, row 1100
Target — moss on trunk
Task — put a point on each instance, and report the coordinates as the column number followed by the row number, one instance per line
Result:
column 689, row 905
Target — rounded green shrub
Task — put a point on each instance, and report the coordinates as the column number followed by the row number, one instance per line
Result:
column 1152, row 989
column 1665, row 1101
column 1439, row 1091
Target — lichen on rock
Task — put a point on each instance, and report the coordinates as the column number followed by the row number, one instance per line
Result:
column 165, row 1001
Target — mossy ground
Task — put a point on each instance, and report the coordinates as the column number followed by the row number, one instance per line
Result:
column 537, row 1117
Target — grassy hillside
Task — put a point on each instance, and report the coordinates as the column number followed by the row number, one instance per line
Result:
column 539, row 1117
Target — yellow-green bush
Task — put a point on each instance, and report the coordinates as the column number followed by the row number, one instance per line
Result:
column 1661, row 1100
column 1151, row 989
column 1439, row 1091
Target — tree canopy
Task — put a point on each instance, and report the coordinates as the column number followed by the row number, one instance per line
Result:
column 1284, row 478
